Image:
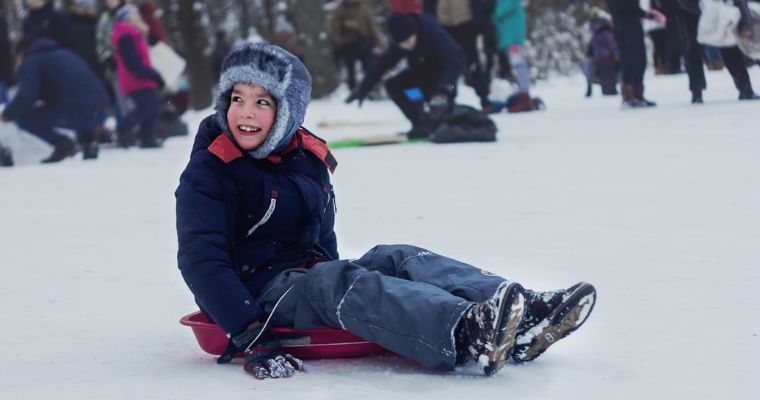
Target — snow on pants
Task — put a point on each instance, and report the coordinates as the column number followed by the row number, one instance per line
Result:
column 404, row 298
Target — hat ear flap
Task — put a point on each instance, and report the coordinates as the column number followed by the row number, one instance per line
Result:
column 222, row 105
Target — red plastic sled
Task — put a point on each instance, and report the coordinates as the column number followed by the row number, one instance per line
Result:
column 307, row 344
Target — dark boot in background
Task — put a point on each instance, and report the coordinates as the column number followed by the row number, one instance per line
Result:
column 104, row 135
column 6, row 157
column 126, row 138
column 696, row 97
column 63, row 147
column 638, row 94
column 87, row 142
column 747, row 93
column 629, row 101
column 150, row 143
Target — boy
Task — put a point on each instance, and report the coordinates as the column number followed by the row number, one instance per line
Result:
column 255, row 217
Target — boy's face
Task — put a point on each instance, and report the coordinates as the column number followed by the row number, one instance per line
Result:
column 251, row 115
column 136, row 20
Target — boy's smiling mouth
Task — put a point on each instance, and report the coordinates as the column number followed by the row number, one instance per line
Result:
column 248, row 129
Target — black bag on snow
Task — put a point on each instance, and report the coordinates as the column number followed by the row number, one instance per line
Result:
column 464, row 124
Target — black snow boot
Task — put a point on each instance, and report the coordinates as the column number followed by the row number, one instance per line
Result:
column 64, row 147
column 126, row 138
column 486, row 332
column 638, row 93
column 696, row 97
column 748, row 94
column 87, row 142
column 629, row 100
column 150, row 143
column 551, row 316
column 421, row 129
column 90, row 150
column 6, row 157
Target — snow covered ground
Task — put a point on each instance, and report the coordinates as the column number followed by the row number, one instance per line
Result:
column 658, row 208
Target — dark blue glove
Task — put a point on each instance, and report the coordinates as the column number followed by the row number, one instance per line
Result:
column 262, row 353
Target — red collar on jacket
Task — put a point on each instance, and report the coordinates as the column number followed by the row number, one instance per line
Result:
column 224, row 148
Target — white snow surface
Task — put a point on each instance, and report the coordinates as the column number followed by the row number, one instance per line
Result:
column 658, row 208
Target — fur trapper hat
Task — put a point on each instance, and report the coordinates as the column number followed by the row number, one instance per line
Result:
column 282, row 74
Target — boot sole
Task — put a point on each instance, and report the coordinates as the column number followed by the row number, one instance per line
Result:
column 562, row 322
column 506, row 328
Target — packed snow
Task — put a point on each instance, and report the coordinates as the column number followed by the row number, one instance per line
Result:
column 656, row 207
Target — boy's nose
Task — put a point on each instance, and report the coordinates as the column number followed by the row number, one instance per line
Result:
column 249, row 112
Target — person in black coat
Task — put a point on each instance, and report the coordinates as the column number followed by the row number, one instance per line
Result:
column 6, row 62
column 435, row 63
column 56, row 89
column 42, row 20
column 82, row 16
column 257, row 246
column 686, row 19
column 629, row 34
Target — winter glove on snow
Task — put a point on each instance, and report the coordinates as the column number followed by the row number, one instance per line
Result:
column 263, row 354
column 356, row 95
column 265, row 359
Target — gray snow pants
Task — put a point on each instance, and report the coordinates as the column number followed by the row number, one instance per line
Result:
column 404, row 298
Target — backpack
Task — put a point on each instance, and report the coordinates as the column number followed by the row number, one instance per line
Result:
column 464, row 124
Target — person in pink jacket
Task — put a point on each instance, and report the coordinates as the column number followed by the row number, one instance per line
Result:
column 137, row 79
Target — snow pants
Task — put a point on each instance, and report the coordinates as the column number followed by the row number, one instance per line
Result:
column 404, row 298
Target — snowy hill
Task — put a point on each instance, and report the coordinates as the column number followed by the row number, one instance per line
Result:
column 658, row 208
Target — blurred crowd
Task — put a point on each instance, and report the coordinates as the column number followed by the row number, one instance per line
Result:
column 80, row 65
column 76, row 67
column 686, row 36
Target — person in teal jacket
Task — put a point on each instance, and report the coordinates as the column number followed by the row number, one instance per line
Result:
column 509, row 20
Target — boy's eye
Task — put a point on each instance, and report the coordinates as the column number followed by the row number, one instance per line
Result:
column 264, row 102
column 236, row 98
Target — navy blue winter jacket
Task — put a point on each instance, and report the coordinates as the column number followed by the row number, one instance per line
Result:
column 241, row 221
column 59, row 78
column 436, row 54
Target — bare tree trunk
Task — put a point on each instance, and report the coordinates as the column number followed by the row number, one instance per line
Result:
column 245, row 18
column 199, row 75
column 216, row 12
column 309, row 17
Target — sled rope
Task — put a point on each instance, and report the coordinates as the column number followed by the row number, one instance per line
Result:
column 264, row 326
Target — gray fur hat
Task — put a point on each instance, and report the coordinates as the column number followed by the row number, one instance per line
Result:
column 282, row 74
